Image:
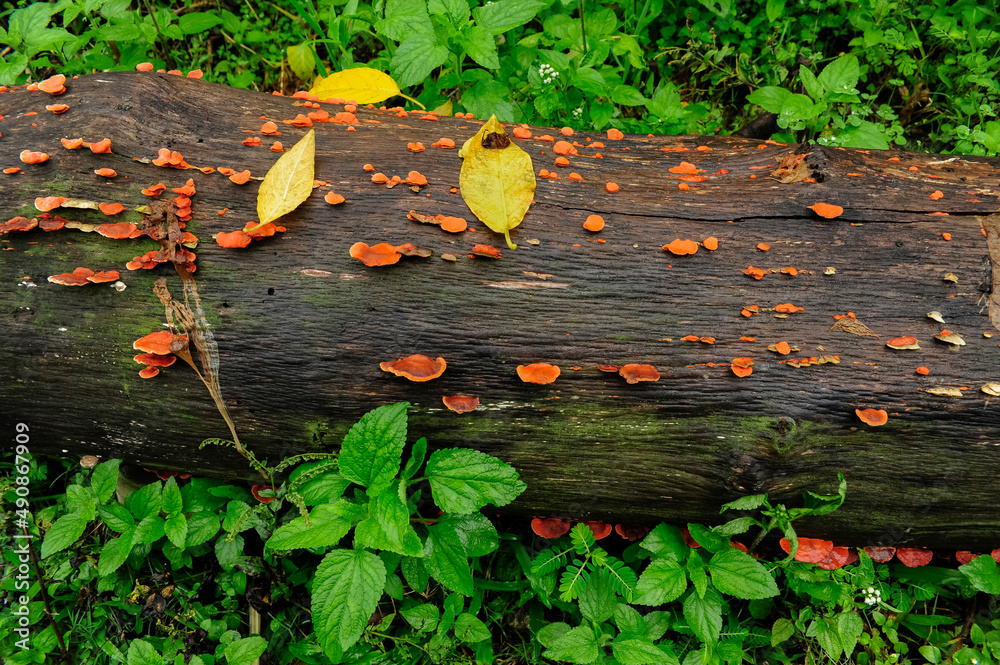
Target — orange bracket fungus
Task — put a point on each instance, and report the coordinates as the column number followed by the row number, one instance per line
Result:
column 788, row 308
column 233, row 240
column 742, row 366
column 333, row 198
column 838, row 557
column 486, row 251
column 873, row 417
column 912, row 557
column 161, row 343
column 681, row 247
column 417, row 367
column 155, row 360
column 594, row 223
column 615, row 134
column 635, row 372
column 257, row 491
column 540, row 373
column 827, row 210
column 632, row 532
column 811, row 550
column 880, row 554
column 30, row 157
column 449, row 224
column 149, row 372
column 382, row 254
column 781, row 347
column 711, row 243
column 549, row 527
column 901, row 343
column 599, row 529
column 101, row 147
column 461, row 403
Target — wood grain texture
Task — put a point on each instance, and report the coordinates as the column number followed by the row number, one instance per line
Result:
column 302, row 327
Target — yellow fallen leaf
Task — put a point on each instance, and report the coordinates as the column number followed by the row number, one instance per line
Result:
column 289, row 182
column 497, row 179
column 944, row 391
column 362, row 84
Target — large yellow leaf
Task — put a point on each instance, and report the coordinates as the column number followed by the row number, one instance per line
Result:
column 498, row 182
column 362, row 84
column 289, row 182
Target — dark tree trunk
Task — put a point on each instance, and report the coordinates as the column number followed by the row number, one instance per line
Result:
column 302, row 327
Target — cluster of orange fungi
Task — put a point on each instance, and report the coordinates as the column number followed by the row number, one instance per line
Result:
column 157, row 351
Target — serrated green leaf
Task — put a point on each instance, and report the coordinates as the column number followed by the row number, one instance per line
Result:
column 704, row 615
column 417, row 456
column 446, row 560
column 456, row 10
column 489, row 97
column 62, row 534
column 739, row 574
column 245, row 650
column 116, row 517
column 478, row 535
column 825, row 631
column 782, row 630
column 388, row 525
column 775, row 9
column 770, row 98
column 201, row 527
column 141, row 652
column 172, row 500
column 597, row 598
column 663, row 581
column 81, row 501
column 469, row 629
column 696, row 572
column 289, row 181
column 423, row 617
column 418, row 55
column 325, row 488
column 325, row 528
column 735, row 527
column 464, row 480
column 105, row 479
column 227, row 551
column 414, row 573
column 707, row 538
column 666, row 541
column 629, row 621
column 373, row 449
column 480, row 45
column 849, row 627
column 195, row 22
column 145, row 501
column 811, row 84
column 751, row 502
column 237, row 517
column 627, row 95
column 175, row 528
column 982, row 573
column 404, row 18
column 548, row 634
column 841, row 75
column 636, row 651
column 578, row 645
column 300, row 59
column 500, row 16
column 588, row 81
column 345, row 592
column 113, row 554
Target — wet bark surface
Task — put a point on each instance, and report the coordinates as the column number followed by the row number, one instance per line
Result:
column 302, row 327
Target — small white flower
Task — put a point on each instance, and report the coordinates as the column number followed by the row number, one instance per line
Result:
column 578, row 112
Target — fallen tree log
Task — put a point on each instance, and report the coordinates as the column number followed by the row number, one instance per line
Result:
column 302, row 327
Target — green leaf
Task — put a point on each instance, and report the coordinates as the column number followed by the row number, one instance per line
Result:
column 469, row 629
column 325, row 488
column 704, row 615
column 141, row 652
column 822, row 504
column 627, row 95
column 931, row 653
column 81, row 501
column 849, row 625
column 105, row 479
column 345, row 592
column 782, row 630
column 463, row 480
column 116, row 517
column 145, row 501
column 663, row 581
column 27, row 30
column 597, row 598
column 500, row 16
column 489, row 97
column 751, row 502
column 735, row 527
column 414, row 573
column 175, row 529
column 982, row 573
column 423, row 617
column 770, row 98
column 480, row 45
column 707, row 538
column 300, row 59
column 549, row 633
column 245, row 650
column 326, row 527
column 201, row 527
column 578, row 645
column 826, row 633
column 774, row 9
column 372, row 450
column 172, row 500
column 195, row 22
column 456, row 10
column 695, row 568
column 739, row 574
column 403, row 19
column 237, row 517
column 388, row 524
column 628, row 620
column 478, row 535
column 627, row 45
column 62, row 534
column 636, row 651
column 588, row 81
column 446, row 560
column 228, row 551
column 841, row 75
column 418, row 453
column 867, row 136
column 114, row 553
column 811, row 84
column 666, row 541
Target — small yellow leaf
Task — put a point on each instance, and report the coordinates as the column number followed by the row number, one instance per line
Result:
column 944, row 391
column 289, row 182
column 362, row 84
column 498, row 182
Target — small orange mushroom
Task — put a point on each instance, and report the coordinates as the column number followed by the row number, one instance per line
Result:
column 711, row 243
column 763, row 247
column 416, row 367
column 742, row 367
column 901, row 343
column 155, row 360
column 78, row 277
column 615, row 134
column 873, row 417
column 540, row 373
column 936, row 195
column 444, row 143
column 118, row 231
column 461, row 403
column 684, row 167
column 913, row 557
column 111, row 208
column 564, row 148
column 594, row 223
column 257, row 490
column 149, row 372
column 549, row 527
column 636, row 372
column 106, row 172
column 923, row 371
column 632, row 532
column 47, row 203
column 269, row 129
column 233, row 239
column 781, row 347
column 382, row 254
column 415, row 147
column 788, row 308
column 415, row 178
column 30, row 157
column 57, row 108
column 521, row 133
column 101, row 147
column 810, row 550
column 599, row 529
column 827, row 210
column 880, row 554
column 241, row 178
column 681, row 247
column 486, row 251
column 612, row 187
column 333, row 198
column 161, row 342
